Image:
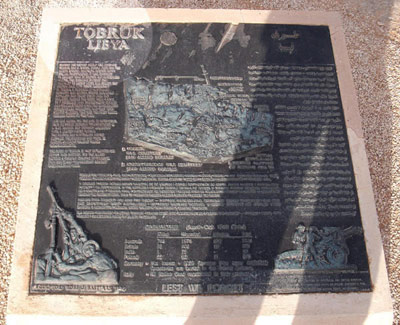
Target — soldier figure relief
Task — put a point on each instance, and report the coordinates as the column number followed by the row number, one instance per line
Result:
column 79, row 259
column 318, row 249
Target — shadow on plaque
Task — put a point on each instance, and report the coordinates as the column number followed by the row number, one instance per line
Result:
column 288, row 219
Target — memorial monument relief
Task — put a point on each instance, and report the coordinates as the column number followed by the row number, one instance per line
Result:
column 197, row 158
column 78, row 259
column 324, row 248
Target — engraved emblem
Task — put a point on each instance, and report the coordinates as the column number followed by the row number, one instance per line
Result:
column 168, row 38
column 284, row 46
column 79, row 260
column 316, row 248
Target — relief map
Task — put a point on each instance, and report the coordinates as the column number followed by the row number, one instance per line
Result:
column 203, row 158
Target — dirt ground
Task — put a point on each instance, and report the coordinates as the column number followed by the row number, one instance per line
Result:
column 372, row 29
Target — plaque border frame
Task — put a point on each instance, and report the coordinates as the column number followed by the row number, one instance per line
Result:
column 24, row 308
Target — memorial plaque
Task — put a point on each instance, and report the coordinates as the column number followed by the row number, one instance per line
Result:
column 193, row 165
column 197, row 158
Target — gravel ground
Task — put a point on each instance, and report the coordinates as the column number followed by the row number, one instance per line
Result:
column 372, row 30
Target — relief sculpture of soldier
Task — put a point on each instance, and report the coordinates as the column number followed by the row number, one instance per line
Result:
column 319, row 249
column 81, row 259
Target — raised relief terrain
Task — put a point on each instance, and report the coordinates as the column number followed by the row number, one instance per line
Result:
column 195, row 122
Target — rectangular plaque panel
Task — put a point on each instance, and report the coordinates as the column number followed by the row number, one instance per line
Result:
column 197, row 158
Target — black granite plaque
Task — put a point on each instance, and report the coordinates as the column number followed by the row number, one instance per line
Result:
column 197, row 159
